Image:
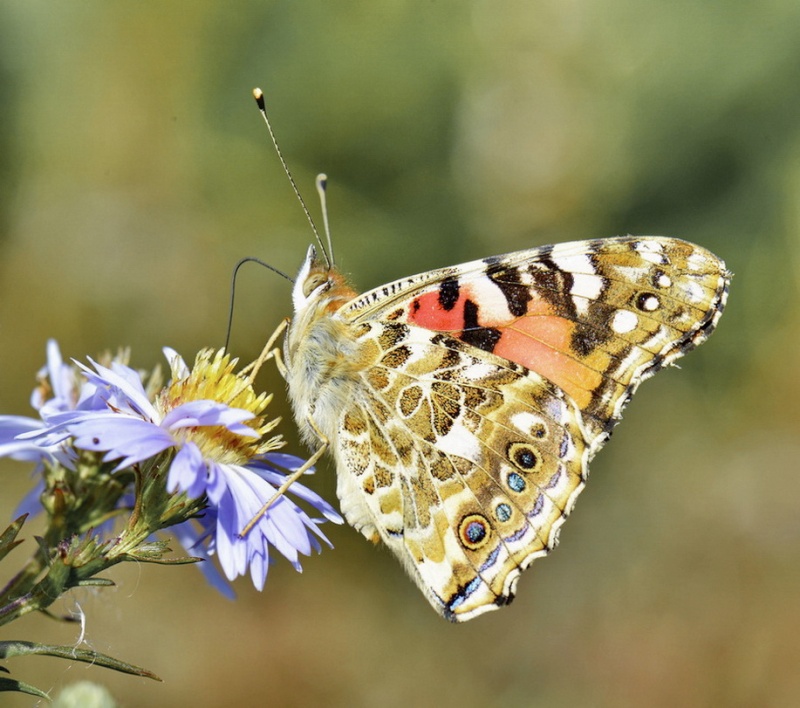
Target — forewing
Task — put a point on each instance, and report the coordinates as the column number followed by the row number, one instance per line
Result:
column 595, row 318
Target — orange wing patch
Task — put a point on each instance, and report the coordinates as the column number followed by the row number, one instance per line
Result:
column 538, row 340
column 542, row 344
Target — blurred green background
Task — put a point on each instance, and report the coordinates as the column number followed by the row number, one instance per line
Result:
column 135, row 171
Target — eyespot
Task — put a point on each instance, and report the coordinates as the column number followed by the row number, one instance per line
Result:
column 474, row 531
column 502, row 512
column 538, row 430
column 516, row 482
column 523, row 456
column 647, row 302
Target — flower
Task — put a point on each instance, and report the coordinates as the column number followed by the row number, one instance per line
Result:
column 284, row 526
column 211, row 422
column 59, row 388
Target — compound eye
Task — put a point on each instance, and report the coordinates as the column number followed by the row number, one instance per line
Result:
column 313, row 282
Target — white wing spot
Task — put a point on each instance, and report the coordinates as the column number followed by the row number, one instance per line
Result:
column 650, row 303
column 493, row 303
column 585, row 285
column 648, row 246
column 525, row 421
column 624, row 321
column 459, row 441
column 695, row 292
column 478, row 372
column 574, row 264
column 697, row 261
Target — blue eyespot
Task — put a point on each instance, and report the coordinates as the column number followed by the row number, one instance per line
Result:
column 516, row 482
column 502, row 512
column 475, row 531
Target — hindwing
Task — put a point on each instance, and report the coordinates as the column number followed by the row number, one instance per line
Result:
column 463, row 463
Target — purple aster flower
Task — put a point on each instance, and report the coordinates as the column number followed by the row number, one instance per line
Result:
column 285, row 526
column 220, row 449
column 59, row 388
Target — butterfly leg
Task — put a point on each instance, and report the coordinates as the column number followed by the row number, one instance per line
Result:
column 270, row 351
column 291, row 479
column 278, row 357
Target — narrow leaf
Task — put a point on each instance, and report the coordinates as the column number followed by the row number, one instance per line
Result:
column 17, row 648
column 8, row 537
column 184, row 560
column 7, row 684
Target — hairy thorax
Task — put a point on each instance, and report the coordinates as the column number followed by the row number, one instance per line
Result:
column 324, row 361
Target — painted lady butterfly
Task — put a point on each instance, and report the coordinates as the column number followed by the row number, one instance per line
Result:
column 463, row 405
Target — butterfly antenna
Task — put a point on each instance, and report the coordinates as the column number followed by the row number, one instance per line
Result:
column 322, row 190
column 258, row 94
column 249, row 259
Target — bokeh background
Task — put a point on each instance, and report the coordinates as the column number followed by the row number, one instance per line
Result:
column 135, row 171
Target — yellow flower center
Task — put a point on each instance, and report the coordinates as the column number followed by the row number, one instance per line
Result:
column 213, row 378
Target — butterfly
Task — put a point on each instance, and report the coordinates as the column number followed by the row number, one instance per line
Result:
column 463, row 405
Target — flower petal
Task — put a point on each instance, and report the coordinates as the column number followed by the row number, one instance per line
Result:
column 119, row 436
column 263, row 468
column 206, row 412
column 192, row 538
column 291, row 463
column 176, row 364
column 121, row 380
column 188, row 471
column 31, row 451
column 30, row 503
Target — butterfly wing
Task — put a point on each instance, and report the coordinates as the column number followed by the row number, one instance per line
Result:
column 463, row 463
column 594, row 317
column 486, row 388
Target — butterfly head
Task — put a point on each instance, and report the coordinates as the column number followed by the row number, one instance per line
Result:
column 319, row 283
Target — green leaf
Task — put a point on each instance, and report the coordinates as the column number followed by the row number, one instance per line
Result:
column 8, row 537
column 147, row 558
column 17, row 648
column 154, row 551
column 148, row 551
column 7, row 684
column 55, row 582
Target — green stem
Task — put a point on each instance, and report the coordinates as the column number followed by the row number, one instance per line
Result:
column 25, row 578
column 137, row 504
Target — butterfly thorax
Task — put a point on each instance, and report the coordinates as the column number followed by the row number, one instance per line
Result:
column 323, row 357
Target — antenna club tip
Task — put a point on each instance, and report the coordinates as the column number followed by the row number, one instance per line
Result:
column 322, row 180
column 258, row 94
